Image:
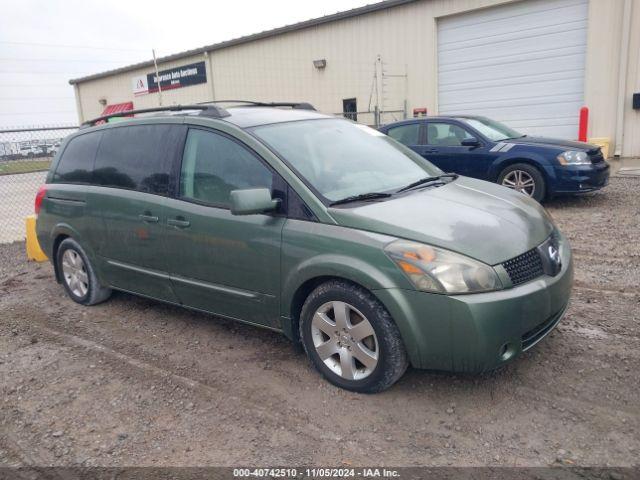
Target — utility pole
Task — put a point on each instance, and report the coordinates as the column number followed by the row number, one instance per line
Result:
column 155, row 64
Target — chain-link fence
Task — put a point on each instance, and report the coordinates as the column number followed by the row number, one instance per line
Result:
column 374, row 93
column 25, row 156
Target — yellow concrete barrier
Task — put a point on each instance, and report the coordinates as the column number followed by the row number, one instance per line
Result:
column 34, row 252
column 602, row 142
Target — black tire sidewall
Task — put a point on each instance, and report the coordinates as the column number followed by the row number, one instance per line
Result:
column 540, row 190
column 70, row 244
column 377, row 316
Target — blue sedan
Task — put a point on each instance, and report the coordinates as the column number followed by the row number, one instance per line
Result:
column 479, row 147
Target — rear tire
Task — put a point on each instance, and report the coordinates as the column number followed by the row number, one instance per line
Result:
column 525, row 179
column 78, row 276
column 351, row 339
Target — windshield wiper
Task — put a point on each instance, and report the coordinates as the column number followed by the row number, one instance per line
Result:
column 362, row 196
column 426, row 180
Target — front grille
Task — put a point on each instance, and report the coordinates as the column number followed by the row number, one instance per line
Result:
column 524, row 267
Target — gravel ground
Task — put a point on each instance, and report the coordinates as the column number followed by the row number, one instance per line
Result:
column 137, row 382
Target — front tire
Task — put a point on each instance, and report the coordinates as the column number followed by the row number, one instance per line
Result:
column 78, row 276
column 524, row 178
column 351, row 339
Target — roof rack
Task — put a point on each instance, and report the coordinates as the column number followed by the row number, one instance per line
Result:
column 251, row 103
column 205, row 111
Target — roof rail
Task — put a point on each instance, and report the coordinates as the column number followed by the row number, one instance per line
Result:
column 205, row 111
column 251, row 103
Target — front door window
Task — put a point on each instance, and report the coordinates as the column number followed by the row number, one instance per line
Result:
column 446, row 135
column 214, row 165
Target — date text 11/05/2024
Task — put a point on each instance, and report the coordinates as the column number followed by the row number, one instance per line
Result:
column 315, row 473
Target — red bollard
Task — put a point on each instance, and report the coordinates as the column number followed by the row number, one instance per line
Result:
column 584, row 123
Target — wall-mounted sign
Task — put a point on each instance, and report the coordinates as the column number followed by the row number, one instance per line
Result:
column 140, row 85
column 177, row 77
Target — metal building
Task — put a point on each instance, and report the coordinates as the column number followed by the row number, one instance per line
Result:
column 529, row 63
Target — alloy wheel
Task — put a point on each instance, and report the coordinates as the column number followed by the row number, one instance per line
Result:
column 520, row 181
column 345, row 340
column 75, row 273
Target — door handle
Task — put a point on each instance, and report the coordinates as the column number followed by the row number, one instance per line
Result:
column 178, row 222
column 431, row 150
column 148, row 218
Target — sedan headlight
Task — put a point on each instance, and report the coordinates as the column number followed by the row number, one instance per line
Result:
column 433, row 269
column 571, row 157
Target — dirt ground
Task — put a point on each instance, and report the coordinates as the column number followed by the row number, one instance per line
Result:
column 137, row 382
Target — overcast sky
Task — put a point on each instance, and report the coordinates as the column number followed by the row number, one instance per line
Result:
column 44, row 43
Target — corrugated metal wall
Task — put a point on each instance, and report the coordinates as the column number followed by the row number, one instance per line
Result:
column 522, row 64
column 405, row 37
column 280, row 68
column 631, row 141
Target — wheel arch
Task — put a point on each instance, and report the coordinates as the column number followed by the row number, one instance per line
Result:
column 60, row 233
column 537, row 163
column 300, row 283
column 54, row 254
column 301, row 295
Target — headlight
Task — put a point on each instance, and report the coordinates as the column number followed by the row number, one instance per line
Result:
column 433, row 269
column 571, row 157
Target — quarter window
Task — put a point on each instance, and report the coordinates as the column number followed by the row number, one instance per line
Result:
column 406, row 134
column 446, row 134
column 214, row 165
column 76, row 163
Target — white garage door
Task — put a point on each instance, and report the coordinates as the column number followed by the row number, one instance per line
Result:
column 521, row 64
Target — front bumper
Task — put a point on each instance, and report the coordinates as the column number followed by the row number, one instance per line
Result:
column 581, row 178
column 479, row 332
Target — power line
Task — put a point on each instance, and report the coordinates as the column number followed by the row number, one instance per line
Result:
column 39, row 85
column 60, row 60
column 9, row 72
column 36, row 98
column 49, row 45
column 36, row 113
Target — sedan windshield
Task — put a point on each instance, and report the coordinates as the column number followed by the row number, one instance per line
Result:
column 340, row 159
column 491, row 129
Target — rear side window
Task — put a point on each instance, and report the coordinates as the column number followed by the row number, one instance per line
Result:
column 406, row 134
column 76, row 163
column 214, row 165
column 137, row 158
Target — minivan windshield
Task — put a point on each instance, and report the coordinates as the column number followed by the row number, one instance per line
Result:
column 339, row 158
column 491, row 129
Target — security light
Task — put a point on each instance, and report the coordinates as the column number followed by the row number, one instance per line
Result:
column 320, row 64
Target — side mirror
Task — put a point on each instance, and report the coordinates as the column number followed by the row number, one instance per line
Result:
column 470, row 142
column 251, row 201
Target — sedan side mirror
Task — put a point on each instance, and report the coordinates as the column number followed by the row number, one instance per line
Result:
column 470, row 142
column 251, row 201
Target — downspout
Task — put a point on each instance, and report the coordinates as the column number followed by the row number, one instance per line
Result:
column 622, row 76
column 213, row 90
column 76, row 92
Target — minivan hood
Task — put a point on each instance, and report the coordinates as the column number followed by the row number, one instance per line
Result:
column 479, row 219
column 553, row 142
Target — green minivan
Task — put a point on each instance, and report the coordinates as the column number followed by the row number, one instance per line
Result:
column 314, row 226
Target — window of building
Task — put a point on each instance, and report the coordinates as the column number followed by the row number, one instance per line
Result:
column 214, row 165
column 350, row 109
